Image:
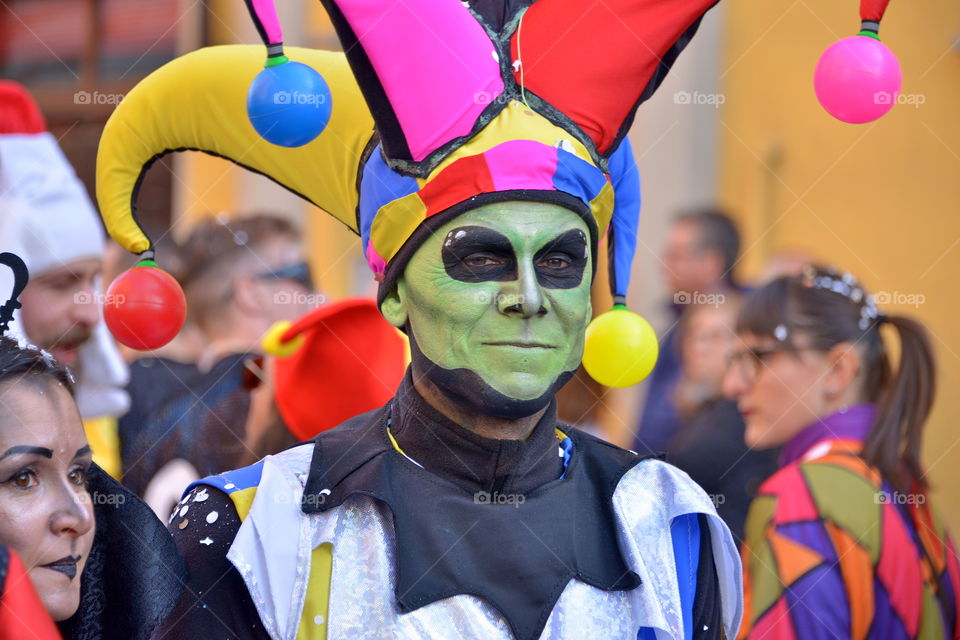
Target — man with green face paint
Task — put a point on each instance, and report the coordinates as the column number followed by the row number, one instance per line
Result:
column 495, row 303
column 464, row 483
column 461, row 508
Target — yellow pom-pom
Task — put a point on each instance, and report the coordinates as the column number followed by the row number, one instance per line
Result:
column 272, row 344
column 620, row 349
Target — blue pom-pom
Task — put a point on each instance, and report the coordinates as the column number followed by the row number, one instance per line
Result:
column 289, row 104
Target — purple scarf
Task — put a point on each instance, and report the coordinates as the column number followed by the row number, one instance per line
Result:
column 852, row 424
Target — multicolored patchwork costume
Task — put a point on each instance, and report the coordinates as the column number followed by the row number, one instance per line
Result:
column 832, row 551
column 358, row 535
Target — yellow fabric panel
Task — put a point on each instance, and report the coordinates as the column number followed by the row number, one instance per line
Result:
column 602, row 208
column 395, row 222
column 242, row 500
column 316, row 605
column 198, row 101
column 515, row 122
column 104, row 440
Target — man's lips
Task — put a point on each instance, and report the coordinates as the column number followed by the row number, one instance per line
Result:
column 67, row 566
column 522, row 345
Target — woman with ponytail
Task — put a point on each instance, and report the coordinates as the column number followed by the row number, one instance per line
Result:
column 842, row 541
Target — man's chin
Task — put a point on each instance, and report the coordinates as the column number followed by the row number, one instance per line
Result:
column 520, row 387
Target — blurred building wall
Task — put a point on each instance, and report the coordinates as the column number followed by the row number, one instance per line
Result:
column 881, row 200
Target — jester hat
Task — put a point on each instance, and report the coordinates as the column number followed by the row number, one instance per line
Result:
column 436, row 107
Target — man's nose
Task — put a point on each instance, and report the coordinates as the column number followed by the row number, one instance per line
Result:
column 524, row 295
column 86, row 307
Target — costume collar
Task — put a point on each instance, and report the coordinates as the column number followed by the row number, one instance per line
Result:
column 852, row 424
column 517, row 551
column 470, row 461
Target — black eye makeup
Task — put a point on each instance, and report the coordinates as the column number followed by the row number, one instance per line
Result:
column 480, row 254
column 561, row 262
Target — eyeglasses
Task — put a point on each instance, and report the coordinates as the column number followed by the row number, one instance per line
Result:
column 299, row 273
column 747, row 361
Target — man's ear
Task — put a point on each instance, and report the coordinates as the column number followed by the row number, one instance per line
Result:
column 394, row 307
column 245, row 295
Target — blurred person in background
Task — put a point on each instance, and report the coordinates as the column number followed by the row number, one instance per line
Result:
column 709, row 442
column 239, row 277
column 842, row 541
column 47, row 218
column 701, row 251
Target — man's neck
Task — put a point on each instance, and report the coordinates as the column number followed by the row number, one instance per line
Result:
column 483, row 425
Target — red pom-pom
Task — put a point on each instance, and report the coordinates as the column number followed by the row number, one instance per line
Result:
column 145, row 308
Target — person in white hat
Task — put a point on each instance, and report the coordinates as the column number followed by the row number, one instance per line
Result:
column 47, row 218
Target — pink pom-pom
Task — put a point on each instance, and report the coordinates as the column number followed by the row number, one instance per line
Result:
column 857, row 79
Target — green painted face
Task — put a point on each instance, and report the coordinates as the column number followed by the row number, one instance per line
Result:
column 502, row 291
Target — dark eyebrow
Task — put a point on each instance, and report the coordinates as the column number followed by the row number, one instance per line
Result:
column 26, row 448
column 82, row 451
column 472, row 238
column 573, row 242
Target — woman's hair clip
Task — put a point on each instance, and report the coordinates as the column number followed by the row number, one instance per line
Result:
column 847, row 286
column 20, row 278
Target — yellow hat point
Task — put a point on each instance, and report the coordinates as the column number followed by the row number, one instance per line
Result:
column 273, row 344
column 621, row 348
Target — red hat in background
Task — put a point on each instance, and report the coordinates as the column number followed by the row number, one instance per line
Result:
column 350, row 361
column 18, row 110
